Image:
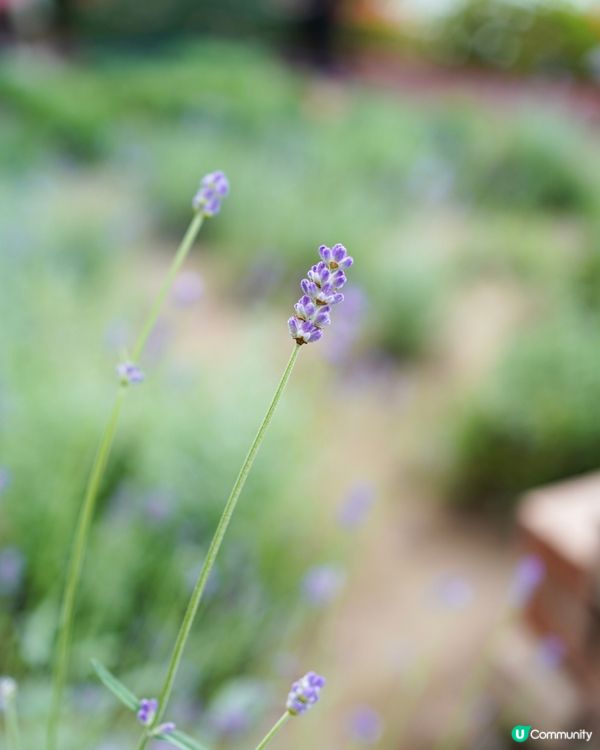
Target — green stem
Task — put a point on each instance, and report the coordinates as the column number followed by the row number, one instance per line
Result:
column 86, row 514
column 276, row 727
column 13, row 732
column 178, row 260
column 213, row 550
column 67, row 612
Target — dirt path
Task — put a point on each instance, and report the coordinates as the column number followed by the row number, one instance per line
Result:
column 397, row 637
column 401, row 640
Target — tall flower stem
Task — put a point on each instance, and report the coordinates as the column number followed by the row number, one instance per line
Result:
column 86, row 514
column 161, row 297
column 213, row 550
column 273, row 731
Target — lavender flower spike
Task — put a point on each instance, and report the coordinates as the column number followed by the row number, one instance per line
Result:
column 321, row 290
column 213, row 188
column 147, row 711
column 304, row 693
column 130, row 374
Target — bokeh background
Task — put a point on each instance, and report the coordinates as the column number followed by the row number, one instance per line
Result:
column 454, row 148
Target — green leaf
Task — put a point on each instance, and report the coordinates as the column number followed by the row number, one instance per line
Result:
column 116, row 687
column 180, row 740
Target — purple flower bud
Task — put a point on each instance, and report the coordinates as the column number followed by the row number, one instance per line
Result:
column 304, row 331
column 167, row 728
column 130, row 374
column 320, row 291
column 304, row 693
column 147, row 711
column 213, row 188
column 529, row 574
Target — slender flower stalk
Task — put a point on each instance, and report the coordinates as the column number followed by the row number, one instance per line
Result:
column 128, row 373
column 304, row 693
column 213, row 550
column 273, row 731
column 320, row 291
column 8, row 703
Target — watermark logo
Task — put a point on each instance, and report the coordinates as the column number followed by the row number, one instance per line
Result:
column 520, row 733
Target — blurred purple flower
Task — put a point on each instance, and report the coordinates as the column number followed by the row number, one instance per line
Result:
column 12, row 567
column 129, row 373
column 4, row 478
column 213, row 188
column 321, row 290
column 551, row 652
column 356, row 505
column 147, row 711
column 453, row 592
column 305, row 692
column 231, row 722
column 365, row 725
column 322, row 584
column 188, row 288
column 529, row 574
column 168, row 727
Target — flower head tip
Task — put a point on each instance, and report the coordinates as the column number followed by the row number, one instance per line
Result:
column 209, row 196
column 304, row 693
column 147, row 711
column 130, row 374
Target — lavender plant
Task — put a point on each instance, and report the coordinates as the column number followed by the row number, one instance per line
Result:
column 305, row 693
column 321, row 291
column 214, row 187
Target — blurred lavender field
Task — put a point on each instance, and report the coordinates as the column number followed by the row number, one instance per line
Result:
column 378, row 538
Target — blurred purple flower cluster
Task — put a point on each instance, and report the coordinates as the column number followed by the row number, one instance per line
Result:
column 304, row 693
column 213, row 188
column 147, row 711
column 321, row 291
column 130, row 374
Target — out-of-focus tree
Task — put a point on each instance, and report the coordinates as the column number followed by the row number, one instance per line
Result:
column 553, row 38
